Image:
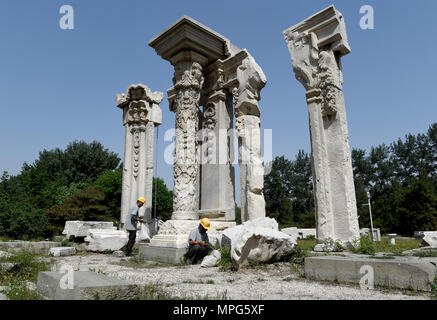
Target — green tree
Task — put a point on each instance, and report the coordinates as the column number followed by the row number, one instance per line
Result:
column 277, row 191
column 20, row 220
column 164, row 200
column 110, row 183
column 86, row 205
column 417, row 207
column 302, row 189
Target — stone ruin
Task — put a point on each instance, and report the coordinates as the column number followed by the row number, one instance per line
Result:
column 213, row 82
column 316, row 46
column 141, row 114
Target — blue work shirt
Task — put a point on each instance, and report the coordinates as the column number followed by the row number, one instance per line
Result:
column 132, row 218
column 195, row 235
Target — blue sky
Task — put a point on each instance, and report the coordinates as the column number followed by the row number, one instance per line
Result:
column 58, row 86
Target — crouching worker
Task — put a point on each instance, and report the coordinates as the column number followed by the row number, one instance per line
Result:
column 132, row 219
column 198, row 242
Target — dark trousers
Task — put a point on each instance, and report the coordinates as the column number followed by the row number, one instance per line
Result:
column 131, row 242
column 196, row 252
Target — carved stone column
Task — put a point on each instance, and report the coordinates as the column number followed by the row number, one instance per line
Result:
column 141, row 113
column 184, row 101
column 251, row 80
column 216, row 150
column 316, row 46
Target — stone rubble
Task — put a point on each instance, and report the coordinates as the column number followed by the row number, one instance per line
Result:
column 104, row 240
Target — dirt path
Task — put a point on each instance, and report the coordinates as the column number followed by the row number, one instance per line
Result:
column 280, row 281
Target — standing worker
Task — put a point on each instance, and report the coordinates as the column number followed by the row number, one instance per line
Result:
column 132, row 219
column 198, row 242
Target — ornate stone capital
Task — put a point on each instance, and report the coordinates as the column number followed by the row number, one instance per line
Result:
column 140, row 105
column 316, row 46
column 251, row 80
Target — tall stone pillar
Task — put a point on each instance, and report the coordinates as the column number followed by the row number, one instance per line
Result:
column 251, row 80
column 141, row 113
column 184, row 101
column 316, row 46
column 217, row 192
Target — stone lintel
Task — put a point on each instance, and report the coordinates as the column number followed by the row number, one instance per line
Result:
column 189, row 55
column 229, row 68
column 189, row 34
column 217, row 96
column 329, row 27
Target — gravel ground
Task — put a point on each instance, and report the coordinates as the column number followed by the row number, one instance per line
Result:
column 279, row 281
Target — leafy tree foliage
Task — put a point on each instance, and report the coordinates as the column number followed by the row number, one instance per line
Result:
column 87, row 205
column 288, row 191
column 164, row 200
column 401, row 179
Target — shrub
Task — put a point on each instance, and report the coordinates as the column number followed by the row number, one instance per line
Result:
column 365, row 246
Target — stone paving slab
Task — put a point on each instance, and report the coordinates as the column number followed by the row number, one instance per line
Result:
column 37, row 246
column 86, row 285
column 400, row 272
column 62, row 251
column 161, row 254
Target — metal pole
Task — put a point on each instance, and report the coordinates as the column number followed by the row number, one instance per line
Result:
column 370, row 212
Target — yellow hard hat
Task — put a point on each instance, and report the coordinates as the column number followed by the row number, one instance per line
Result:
column 142, row 199
column 205, row 223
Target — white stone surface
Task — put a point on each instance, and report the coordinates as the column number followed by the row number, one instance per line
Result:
column 392, row 238
column 141, row 114
column 101, row 240
column 4, row 254
column 80, row 228
column 251, row 80
column 209, row 71
column 62, row 251
column 118, row 253
column 174, row 233
column 430, row 237
column 292, row 231
column 316, row 47
column 305, row 232
column 230, row 235
column 260, row 245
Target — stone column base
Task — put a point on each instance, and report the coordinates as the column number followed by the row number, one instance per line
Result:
column 161, row 254
column 174, row 233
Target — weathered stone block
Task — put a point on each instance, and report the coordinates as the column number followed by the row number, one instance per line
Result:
column 80, row 228
column 397, row 273
column 260, row 245
column 430, row 237
column 161, row 254
column 303, row 233
column 62, row 251
column 85, row 285
column 230, row 235
column 293, row 231
column 4, row 254
column 102, row 240
column 35, row 246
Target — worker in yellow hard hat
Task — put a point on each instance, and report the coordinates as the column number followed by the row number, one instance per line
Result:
column 132, row 219
column 198, row 242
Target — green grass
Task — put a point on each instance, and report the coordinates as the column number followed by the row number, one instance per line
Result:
column 426, row 253
column 367, row 246
column 401, row 245
column 306, row 244
column 27, row 265
column 434, row 286
column 154, row 292
column 225, row 263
